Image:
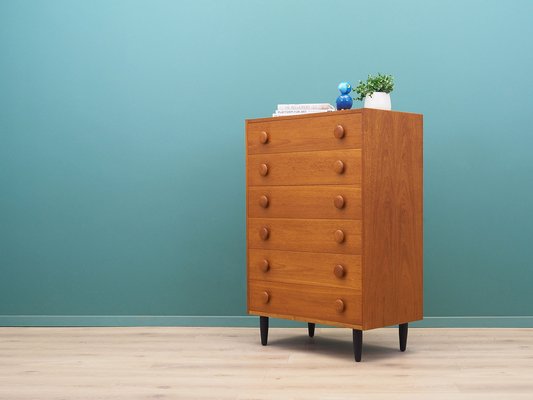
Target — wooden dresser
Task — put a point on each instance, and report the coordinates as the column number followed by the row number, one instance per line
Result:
column 334, row 220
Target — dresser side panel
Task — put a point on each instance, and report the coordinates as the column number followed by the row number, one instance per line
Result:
column 392, row 218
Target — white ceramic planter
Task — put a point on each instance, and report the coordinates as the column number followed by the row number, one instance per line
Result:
column 379, row 100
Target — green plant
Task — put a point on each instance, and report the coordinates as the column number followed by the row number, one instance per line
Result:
column 378, row 83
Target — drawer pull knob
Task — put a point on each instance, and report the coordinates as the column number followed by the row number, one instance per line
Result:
column 338, row 132
column 263, row 137
column 339, row 305
column 265, row 265
column 264, row 233
column 339, row 167
column 263, row 169
column 339, row 271
column 265, row 297
column 339, row 236
column 263, row 201
column 339, row 202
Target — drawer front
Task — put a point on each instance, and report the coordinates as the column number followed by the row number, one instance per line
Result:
column 320, row 132
column 314, row 235
column 305, row 301
column 339, row 270
column 330, row 202
column 338, row 167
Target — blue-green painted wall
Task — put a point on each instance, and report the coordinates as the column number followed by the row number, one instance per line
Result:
column 122, row 150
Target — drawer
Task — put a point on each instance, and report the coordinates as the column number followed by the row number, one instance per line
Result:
column 320, row 132
column 337, row 167
column 304, row 301
column 332, row 202
column 339, row 236
column 339, row 270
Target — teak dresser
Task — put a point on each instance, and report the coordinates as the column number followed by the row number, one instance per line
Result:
column 334, row 220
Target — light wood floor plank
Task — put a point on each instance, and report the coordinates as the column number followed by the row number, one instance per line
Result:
column 230, row 363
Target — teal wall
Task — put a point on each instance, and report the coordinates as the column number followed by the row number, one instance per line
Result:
column 122, row 149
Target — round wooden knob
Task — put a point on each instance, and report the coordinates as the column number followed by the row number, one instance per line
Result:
column 263, row 201
column 263, row 169
column 338, row 131
column 264, row 233
column 339, row 236
column 339, row 201
column 339, row 271
column 338, row 166
column 264, row 265
column 263, row 137
column 265, row 297
column 339, row 305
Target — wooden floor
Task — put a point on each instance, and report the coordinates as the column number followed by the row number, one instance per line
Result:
column 230, row 363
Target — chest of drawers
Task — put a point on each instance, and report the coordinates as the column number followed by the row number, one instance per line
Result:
column 334, row 220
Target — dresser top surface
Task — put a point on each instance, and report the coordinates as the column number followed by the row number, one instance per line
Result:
column 325, row 114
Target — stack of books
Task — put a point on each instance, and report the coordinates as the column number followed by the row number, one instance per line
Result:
column 295, row 109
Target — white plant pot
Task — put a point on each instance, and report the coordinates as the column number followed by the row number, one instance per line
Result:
column 379, row 100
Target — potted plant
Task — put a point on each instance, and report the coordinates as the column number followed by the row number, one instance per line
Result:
column 375, row 91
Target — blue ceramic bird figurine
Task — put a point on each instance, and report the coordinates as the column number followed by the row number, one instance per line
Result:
column 344, row 101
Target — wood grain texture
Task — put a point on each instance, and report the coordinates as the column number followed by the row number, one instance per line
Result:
column 311, row 235
column 305, row 268
column 392, row 215
column 313, row 202
column 141, row 363
column 292, row 135
column 305, row 319
column 246, row 125
column 305, row 168
column 307, row 302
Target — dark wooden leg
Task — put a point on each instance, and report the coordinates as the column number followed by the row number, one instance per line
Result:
column 403, row 336
column 263, row 326
column 357, row 344
column 311, row 329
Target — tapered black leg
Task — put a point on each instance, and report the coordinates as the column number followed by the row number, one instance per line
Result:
column 403, row 336
column 263, row 326
column 357, row 344
column 311, row 329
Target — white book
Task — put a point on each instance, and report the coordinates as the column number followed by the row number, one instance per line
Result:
column 300, row 111
column 297, row 112
column 312, row 106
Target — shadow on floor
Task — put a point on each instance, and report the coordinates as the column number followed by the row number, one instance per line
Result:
column 341, row 348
